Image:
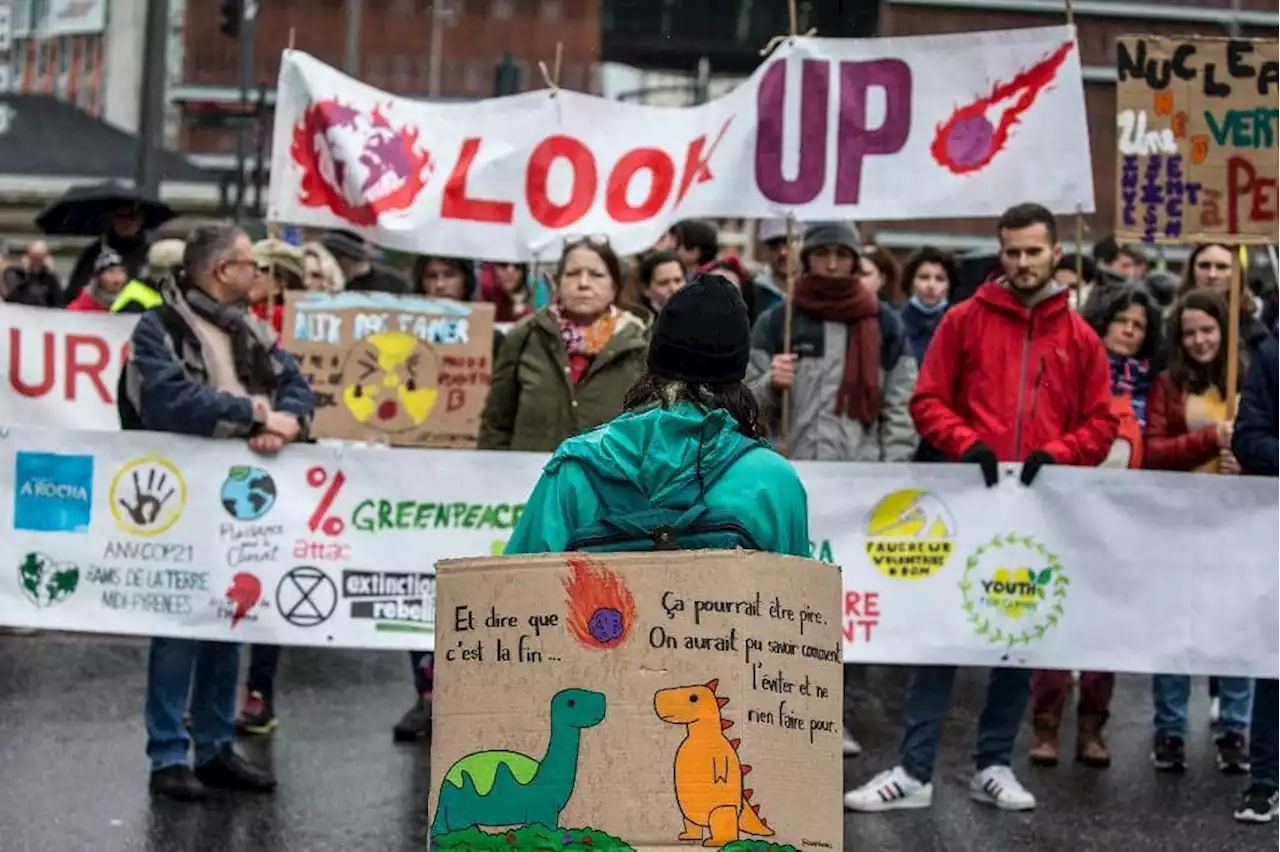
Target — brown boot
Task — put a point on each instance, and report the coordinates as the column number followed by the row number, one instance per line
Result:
column 1044, row 748
column 1091, row 749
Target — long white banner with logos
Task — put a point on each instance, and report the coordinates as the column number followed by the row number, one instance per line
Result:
column 824, row 128
column 153, row 534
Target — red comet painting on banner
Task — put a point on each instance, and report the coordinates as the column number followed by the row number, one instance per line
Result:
column 384, row 176
column 601, row 609
column 969, row 139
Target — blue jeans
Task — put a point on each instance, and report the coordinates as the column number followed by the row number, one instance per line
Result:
column 170, row 670
column 1263, row 733
column 1169, row 693
column 929, row 699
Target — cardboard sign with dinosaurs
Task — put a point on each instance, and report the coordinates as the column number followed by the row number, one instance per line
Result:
column 637, row 701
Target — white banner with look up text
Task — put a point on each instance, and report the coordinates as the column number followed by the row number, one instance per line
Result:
column 335, row 546
column 865, row 129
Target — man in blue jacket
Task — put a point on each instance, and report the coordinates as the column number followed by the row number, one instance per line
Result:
column 1257, row 447
column 199, row 364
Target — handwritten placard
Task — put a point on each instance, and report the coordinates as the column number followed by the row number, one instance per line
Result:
column 640, row 701
column 1196, row 128
column 400, row 370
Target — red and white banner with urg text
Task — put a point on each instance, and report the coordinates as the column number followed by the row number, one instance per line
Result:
column 61, row 368
column 864, row 129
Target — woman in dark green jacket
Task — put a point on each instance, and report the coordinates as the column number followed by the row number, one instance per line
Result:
column 567, row 367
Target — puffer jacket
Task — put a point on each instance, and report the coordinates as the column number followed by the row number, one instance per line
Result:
column 533, row 405
column 1017, row 380
column 818, row 432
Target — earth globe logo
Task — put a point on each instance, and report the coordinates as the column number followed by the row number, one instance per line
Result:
column 248, row 493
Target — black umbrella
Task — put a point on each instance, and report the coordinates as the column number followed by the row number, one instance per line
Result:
column 83, row 210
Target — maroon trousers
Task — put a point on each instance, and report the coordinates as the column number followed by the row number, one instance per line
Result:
column 1051, row 689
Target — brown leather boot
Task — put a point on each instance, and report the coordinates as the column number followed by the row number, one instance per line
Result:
column 1091, row 749
column 1044, row 747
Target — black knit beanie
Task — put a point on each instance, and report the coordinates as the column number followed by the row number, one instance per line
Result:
column 702, row 334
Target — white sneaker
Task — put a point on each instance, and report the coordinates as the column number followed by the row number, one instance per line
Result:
column 997, row 785
column 890, row 791
column 1215, row 709
column 851, row 746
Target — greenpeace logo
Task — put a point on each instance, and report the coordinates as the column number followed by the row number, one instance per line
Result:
column 46, row 489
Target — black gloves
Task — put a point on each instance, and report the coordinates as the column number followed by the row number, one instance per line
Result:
column 985, row 457
column 1035, row 461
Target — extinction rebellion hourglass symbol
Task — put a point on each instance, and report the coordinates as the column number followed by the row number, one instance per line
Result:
column 320, row 519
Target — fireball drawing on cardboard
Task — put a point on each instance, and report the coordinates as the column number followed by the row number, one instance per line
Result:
column 709, row 777
column 601, row 609
column 358, row 166
column 970, row 139
column 389, row 381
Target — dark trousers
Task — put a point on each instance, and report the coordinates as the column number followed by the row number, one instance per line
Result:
column 1262, row 733
column 1050, row 690
column 264, row 660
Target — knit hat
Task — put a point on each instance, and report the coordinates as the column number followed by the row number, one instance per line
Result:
column 164, row 255
column 107, row 259
column 348, row 244
column 702, row 334
column 842, row 234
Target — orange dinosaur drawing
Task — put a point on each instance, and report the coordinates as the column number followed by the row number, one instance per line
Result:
column 708, row 774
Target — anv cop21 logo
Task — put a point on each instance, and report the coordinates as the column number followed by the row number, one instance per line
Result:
column 910, row 534
column 1014, row 590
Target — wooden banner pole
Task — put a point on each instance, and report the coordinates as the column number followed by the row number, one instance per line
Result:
column 1233, row 330
column 788, row 309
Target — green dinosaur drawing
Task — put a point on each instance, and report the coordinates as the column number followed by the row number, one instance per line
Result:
column 506, row 788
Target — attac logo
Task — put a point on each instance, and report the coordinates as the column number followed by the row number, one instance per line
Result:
column 54, row 492
column 402, row 602
column 1014, row 590
column 909, row 535
column 358, row 166
column 45, row 581
column 147, row 496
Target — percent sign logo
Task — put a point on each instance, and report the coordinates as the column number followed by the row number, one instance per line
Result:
column 320, row 519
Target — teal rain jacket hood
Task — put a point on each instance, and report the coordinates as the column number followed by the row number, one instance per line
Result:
column 662, row 458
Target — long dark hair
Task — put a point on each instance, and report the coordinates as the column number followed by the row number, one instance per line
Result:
column 1185, row 373
column 1121, row 298
column 734, row 397
column 1248, row 307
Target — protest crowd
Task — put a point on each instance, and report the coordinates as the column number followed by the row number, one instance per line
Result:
column 885, row 361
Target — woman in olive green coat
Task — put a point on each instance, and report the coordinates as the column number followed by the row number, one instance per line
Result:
column 567, row 367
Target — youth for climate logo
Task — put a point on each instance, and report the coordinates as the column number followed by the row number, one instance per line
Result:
column 147, row 496
column 1014, row 590
column 54, row 492
column 909, row 535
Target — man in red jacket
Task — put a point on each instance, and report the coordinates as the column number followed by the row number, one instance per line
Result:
column 1012, row 375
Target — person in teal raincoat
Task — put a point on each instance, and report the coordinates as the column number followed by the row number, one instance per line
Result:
column 688, row 436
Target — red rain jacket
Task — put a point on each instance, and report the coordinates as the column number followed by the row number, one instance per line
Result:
column 1017, row 380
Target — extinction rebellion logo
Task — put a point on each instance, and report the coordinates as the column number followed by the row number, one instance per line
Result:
column 1014, row 590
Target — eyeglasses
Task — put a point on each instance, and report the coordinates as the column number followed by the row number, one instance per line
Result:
column 572, row 241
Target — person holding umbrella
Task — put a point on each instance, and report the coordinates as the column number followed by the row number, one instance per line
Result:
column 121, row 218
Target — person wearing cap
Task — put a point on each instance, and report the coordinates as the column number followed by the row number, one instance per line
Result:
column 850, row 372
column 689, row 436
column 358, row 268
column 277, row 268
column 109, row 278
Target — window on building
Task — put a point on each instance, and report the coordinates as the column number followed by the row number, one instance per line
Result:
column 64, row 55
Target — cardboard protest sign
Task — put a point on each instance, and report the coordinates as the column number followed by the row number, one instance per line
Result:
column 1196, row 139
column 401, row 370
column 637, row 701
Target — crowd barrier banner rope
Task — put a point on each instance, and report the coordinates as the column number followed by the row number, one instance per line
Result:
column 335, row 546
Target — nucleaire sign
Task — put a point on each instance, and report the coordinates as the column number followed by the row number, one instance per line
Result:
column 336, row 546
column 824, row 128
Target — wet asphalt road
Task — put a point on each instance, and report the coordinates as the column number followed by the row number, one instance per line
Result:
column 73, row 773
